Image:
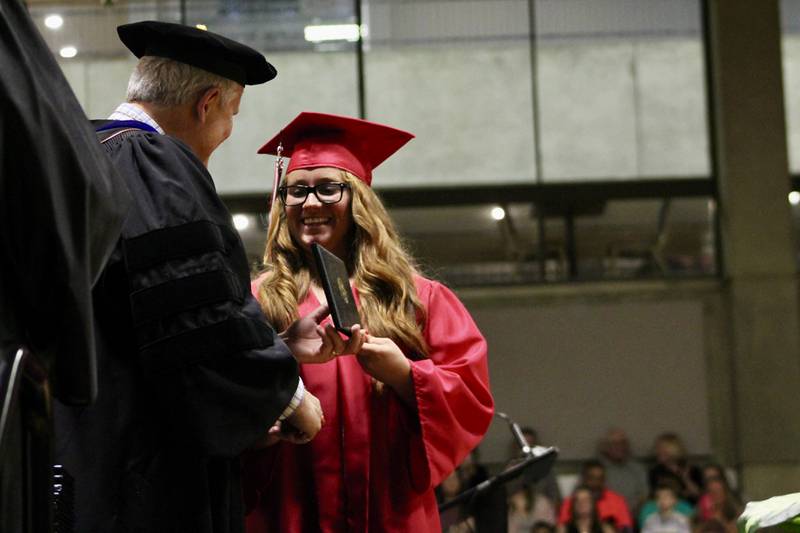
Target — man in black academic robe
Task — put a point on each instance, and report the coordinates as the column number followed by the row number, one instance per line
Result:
column 191, row 374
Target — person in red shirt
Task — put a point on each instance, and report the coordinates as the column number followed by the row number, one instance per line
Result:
column 611, row 506
column 411, row 399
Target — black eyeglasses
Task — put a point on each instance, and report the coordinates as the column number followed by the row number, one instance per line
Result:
column 327, row 193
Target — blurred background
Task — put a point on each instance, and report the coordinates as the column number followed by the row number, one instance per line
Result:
column 609, row 185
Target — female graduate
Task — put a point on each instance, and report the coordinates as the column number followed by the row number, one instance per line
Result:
column 412, row 401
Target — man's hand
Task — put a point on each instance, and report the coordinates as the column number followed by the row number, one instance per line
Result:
column 272, row 437
column 311, row 343
column 305, row 422
column 299, row 428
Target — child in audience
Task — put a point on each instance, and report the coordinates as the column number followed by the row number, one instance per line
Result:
column 651, row 506
column 667, row 519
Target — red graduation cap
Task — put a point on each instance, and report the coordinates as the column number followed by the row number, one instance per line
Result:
column 321, row 140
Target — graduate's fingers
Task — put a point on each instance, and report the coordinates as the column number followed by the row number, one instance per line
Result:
column 371, row 339
column 356, row 340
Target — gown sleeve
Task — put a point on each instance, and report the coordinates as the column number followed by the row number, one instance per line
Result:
column 454, row 403
column 214, row 363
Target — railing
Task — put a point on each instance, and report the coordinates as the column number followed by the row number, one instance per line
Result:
column 26, row 479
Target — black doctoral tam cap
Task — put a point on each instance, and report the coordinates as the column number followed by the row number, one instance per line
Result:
column 199, row 48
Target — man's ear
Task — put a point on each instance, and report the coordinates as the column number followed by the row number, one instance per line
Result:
column 206, row 101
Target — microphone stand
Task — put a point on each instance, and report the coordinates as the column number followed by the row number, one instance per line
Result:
column 536, row 461
column 543, row 458
column 516, row 432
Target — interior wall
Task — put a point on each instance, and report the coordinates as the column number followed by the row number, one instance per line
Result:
column 575, row 362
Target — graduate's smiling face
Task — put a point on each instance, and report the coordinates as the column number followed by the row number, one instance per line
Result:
column 328, row 224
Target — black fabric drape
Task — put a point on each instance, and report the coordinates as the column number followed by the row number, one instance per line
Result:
column 61, row 211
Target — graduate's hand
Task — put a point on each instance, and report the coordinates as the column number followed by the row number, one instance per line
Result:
column 305, row 422
column 311, row 343
column 382, row 359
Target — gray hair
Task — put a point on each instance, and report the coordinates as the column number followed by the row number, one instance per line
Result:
column 166, row 82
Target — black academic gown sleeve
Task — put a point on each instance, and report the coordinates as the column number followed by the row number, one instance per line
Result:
column 191, row 374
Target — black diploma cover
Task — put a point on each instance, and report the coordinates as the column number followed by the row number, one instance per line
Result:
column 336, row 283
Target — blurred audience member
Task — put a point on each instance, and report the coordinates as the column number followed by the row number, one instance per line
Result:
column 584, row 516
column 667, row 519
column 611, row 506
column 650, row 507
column 548, row 486
column 711, row 526
column 718, row 501
column 526, row 508
column 672, row 463
column 543, row 527
column 472, row 471
column 454, row 519
column 624, row 474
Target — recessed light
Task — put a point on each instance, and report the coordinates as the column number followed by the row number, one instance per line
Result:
column 54, row 21
column 68, row 52
column 331, row 32
column 241, row 222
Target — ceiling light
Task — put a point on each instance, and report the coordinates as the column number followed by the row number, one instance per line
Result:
column 68, row 52
column 794, row 198
column 53, row 21
column 498, row 213
column 331, row 32
column 241, row 222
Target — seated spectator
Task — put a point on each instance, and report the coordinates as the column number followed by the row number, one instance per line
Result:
column 671, row 463
column 454, row 519
column 526, row 508
column 624, row 474
column 711, row 526
column 584, row 514
column 472, row 471
column 543, row 527
column 611, row 507
column 718, row 501
column 666, row 519
column 650, row 507
column 548, row 485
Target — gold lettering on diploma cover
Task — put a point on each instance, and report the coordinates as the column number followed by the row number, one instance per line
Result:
column 342, row 291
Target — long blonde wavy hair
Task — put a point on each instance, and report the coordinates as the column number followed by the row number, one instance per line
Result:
column 382, row 271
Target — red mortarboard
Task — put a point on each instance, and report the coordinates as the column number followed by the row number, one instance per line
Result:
column 322, row 140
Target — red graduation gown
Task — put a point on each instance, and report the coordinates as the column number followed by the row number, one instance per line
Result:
column 375, row 463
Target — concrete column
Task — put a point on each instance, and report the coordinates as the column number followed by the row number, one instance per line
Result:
column 758, row 243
